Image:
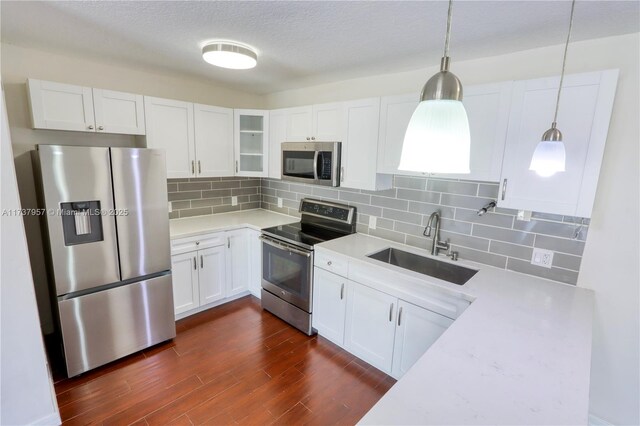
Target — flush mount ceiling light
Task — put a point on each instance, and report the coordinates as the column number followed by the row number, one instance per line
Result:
column 437, row 139
column 231, row 55
column 549, row 157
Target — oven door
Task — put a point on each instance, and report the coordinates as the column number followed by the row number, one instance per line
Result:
column 287, row 272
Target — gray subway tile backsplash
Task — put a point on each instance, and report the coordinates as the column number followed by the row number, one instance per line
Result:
column 203, row 196
column 496, row 239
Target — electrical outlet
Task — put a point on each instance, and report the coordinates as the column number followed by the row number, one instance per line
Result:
column 234, row 201
column 372, row 222
column 279, row 202
column 541, row 257
column 170, row 207
column 524, row 215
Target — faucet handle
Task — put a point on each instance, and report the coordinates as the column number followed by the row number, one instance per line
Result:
column 452, row 254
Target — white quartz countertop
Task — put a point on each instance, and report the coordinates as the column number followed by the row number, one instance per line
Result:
column 519, row 354
column 255, row 219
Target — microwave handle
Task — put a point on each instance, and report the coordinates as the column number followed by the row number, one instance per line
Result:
column 315, row 164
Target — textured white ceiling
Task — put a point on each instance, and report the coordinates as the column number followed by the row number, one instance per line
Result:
column 303, row 42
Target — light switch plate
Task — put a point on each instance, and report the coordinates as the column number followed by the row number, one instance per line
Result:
column 541, row 257
column 234, row 201
column 279, row 202
column 372, row 222
column 524, row 215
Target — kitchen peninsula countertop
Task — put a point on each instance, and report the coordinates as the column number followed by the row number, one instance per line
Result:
column 519, row 354
column 255, row 219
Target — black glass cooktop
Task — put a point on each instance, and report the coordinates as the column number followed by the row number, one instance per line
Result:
column 301, row 234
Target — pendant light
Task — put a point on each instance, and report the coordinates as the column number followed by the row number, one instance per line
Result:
column 437, row 139
column 550, row 156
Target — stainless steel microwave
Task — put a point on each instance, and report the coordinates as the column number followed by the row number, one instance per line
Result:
column 317, row 163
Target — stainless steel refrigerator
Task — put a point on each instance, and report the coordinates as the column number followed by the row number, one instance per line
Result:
column 107, row 227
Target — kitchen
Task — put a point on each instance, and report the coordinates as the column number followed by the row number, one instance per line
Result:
column 223, row 133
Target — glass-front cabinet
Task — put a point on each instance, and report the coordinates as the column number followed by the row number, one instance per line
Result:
column 251, row 142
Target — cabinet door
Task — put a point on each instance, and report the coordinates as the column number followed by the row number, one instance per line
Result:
column 370, row 325
column 213, row 140
column 277, row 135
column 61, row 106
column 212, row 274
column 255, row 262
column 299, row 123
column 488, row 112
column 361, row 119
column 583, row 118
column 118, row 112
column 237, row 262
column 327, row 122
column 395, row 114
column 251, row 129
column 417, row 329
column 184, row 271
column 329, row 305
column 170, row 127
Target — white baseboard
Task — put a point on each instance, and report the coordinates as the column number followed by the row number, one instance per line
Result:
column 597, row 421
column 212, row 305
column 50, row 419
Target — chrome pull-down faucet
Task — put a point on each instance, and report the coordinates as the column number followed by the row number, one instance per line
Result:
column 437, row 244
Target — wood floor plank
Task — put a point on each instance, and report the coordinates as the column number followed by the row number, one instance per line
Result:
column 233, row 364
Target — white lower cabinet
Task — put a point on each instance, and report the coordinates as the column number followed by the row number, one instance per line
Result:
column 329, row 305
column 213, row 268
column 389, row 333
column 184, row 270
column 417, row 330
column 370, row 325
column 212, row 274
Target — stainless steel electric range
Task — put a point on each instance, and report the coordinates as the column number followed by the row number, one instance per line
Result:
column 287, row 259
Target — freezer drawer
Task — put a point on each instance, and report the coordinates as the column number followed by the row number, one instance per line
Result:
column 101, row 327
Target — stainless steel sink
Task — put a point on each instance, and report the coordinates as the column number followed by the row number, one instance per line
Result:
column 434, row 268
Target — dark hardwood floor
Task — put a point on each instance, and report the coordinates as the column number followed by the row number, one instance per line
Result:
column 234, row 364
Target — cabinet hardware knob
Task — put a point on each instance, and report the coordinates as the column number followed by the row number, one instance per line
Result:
column 90, row 127
column 504, row 188
column 313, row 138
column 236, row 166
column 228, row 242
column 399, row 316
column 308, row 138
column 197, row 243
column 100, row 127
column 342, row 291
column 391, row 313
column 199, row 168
column 201, row 261
column 195, row 265
column 329, row 263
column 193, row 167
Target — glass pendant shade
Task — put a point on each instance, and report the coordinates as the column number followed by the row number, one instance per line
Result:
column 437, row 139
column 548, row 158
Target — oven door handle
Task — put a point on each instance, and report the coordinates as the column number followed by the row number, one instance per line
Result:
column 315, row 164
column 283, row 246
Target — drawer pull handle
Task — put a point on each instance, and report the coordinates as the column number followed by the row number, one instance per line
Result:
column 504, row 188
column 195, row 265
column 391, row 313
column 201, row 261
column 342, row 291
column 399, row 316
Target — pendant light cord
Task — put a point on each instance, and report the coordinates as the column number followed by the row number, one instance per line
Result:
column 448, row 36
column 564, row 61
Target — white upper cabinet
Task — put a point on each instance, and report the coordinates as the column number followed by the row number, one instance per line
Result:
column 584, row 114
column 327, row 122
column 118, row 112
column 170, row 127
column 359, row 146
column 488, row 111
column 251, row 128
column 213, row 140
column 277, row 135
column 60, row 106
column 299, row 124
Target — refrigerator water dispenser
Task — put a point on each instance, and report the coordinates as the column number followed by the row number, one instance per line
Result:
column 81, row 222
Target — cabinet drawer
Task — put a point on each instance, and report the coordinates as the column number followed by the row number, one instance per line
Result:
column 331, row 262
column 185, row 245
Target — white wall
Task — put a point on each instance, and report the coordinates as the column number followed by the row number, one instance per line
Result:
column 610, row 262
column 26, row 391
column 18, row 64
